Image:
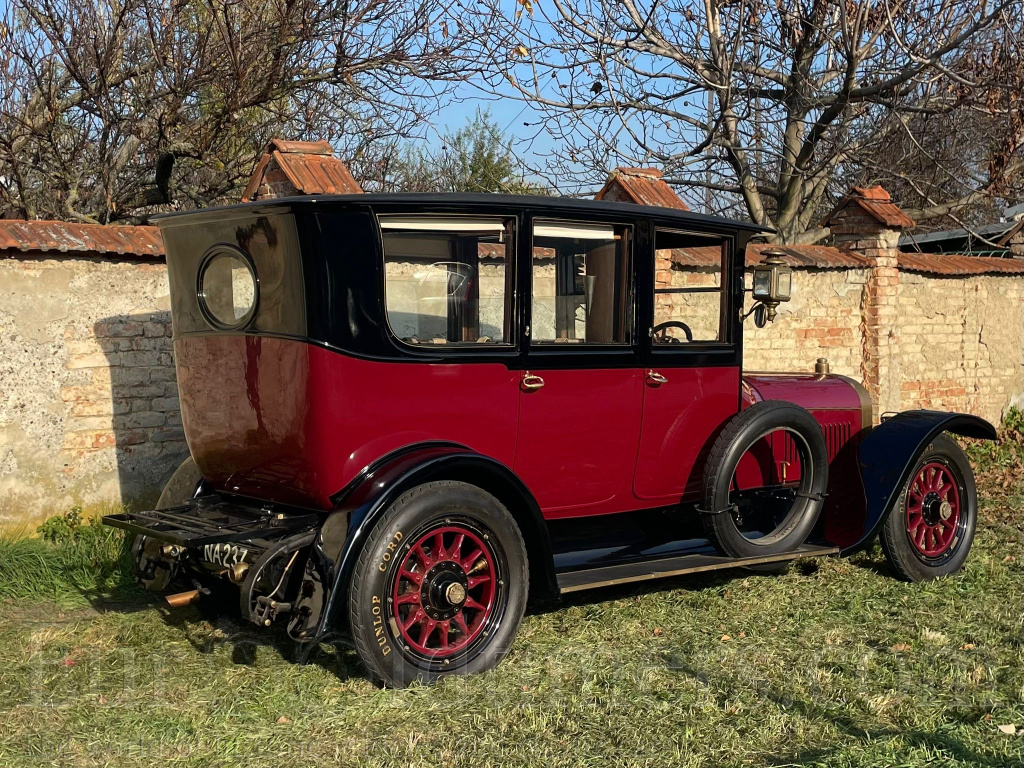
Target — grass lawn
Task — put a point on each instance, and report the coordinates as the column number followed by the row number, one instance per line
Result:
column 835, row 663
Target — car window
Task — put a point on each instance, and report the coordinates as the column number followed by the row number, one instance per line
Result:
column 446, row 279
column 581, row 286
column 689, row 297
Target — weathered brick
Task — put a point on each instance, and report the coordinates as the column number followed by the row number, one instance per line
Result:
column 167, row 433
column 139, row 420
column 118, row 328
column 92, row 360
column 166, row 404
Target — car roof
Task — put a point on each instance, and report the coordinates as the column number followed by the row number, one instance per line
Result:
column 537, row 203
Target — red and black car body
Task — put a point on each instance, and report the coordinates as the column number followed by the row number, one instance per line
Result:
column 308, row 415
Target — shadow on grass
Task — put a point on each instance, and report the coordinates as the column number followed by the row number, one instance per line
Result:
column 952, row 747
column 215, row 622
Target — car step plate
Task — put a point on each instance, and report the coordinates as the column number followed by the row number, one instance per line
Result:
column 626, row 573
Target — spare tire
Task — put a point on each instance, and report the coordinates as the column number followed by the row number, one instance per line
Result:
column 785, row 512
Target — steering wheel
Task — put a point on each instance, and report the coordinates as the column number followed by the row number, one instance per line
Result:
column 660, row 332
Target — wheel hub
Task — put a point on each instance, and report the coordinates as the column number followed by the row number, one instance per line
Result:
column 443, row 591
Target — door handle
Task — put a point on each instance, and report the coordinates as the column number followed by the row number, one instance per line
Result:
column 531, row 381
column 656, row 378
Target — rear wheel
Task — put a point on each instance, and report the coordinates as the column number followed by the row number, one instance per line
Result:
column 153, row 571
column 440, row 585
column 751, row 505
column 929, row 531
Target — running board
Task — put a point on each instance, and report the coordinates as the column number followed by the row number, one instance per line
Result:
column 591, row 578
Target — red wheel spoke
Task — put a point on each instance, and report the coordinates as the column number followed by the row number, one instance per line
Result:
column 439, row 553
column 474, row 581
column 457, row 546
column 468, row 563
column 414, row 617
column 424, row 558
column 460, row 622
column 945, row 489
column 445, row 628
column 415, row 578
column 471, row 603
column 426, row 629
column 408, row 598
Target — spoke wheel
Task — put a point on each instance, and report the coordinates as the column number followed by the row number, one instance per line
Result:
column 444, row 592
column 440, row 585
column 933, row 510
column 929, row 529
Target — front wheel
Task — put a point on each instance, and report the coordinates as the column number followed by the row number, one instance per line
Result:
column 929, row 530
column 440, row 585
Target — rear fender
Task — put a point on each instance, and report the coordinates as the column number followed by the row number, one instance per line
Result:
column 363, row 501
column 888, row 453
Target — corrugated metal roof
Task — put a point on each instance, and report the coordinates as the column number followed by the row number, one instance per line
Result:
column 310, row 166
column 957, row 264
column 877, row 202
column 69, row 237
column 643, row 186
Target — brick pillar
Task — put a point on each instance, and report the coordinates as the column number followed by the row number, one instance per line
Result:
column 868, row 223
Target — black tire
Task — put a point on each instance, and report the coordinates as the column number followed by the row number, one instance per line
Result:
column 380, row 579
column 152, row 572
column 906, row 557
column 743, row 432
column 182, row 485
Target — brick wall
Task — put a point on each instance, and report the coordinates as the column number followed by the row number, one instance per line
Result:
column 88, row 399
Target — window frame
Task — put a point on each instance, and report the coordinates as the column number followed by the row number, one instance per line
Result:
column 213, row 253
column 727, row 244
column 549, row 348
column 510, row 309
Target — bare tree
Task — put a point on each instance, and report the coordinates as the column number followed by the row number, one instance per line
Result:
column 764, row 106
column 111, row 109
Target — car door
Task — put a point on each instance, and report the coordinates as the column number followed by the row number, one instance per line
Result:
column 692, row 377
column 580, row 399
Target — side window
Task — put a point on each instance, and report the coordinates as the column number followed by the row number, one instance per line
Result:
column 446, row 280
column 689, row 296
column 581, row 285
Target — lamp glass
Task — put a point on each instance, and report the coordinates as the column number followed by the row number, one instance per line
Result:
column 762, row 283
column 785, row 285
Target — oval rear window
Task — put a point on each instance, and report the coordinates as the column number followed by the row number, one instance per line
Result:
column 228, row 288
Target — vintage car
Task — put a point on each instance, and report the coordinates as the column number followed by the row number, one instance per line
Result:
column 407, row 413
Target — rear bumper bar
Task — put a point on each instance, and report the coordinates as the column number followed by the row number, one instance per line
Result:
column 213, row 520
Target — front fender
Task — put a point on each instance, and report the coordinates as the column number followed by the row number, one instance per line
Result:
column 888, row 453
column 362, row 503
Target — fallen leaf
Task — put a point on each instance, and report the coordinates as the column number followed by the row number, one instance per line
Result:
column 743, row 634
column 1009, row 559
column 1009, row 730
column 900, row 648
column 967, row 647
column 658, row 631
column 68, row 662
column 726, row 638
column 282, row 720
column 101, row 700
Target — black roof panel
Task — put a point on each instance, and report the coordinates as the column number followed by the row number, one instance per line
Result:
column 539, row 203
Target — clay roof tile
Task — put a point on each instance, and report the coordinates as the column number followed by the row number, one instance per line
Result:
column 71, row 237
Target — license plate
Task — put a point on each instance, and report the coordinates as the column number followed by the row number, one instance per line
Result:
column 224, row 554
